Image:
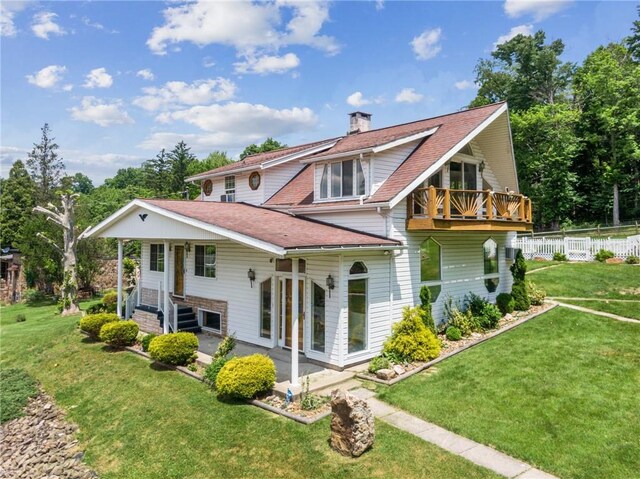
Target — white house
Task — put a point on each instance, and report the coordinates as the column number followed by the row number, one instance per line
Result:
column 344, row 231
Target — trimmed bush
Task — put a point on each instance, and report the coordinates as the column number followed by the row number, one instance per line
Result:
column 225, row 347
column 177, row 349
column 536, row 295
column 489, row 316
column 518, row 268
column 119, row 333
column 466, row 322
column 378, row 363
column 411, row 340
column 474, row 303
column 505, row 303
column 520, row 297
column 453, row 334
column 557, row 256
column 146, row 340
column 92, row 323
column 603, row 255
column 427, row 316
column 246, row 377
column 110, row 302
column 212, row 370
column 632, row 259
column 33, row 296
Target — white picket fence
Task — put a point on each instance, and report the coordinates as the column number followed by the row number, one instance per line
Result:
column 576, row 249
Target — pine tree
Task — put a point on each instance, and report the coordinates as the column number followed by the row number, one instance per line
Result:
column 45, row 167
column 157, row 174
column 180, row 158
column 17, row 199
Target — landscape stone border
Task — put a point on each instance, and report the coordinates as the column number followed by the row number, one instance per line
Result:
column 421, row 368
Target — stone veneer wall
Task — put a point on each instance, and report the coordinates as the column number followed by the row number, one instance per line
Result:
column 147, row 321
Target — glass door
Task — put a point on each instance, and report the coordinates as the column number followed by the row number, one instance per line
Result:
column 286, row 310
column 178, row 271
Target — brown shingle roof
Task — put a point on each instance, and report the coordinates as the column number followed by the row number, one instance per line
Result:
column 280, row 229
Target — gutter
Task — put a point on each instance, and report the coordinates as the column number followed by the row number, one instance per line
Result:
column 329, row 209
column 328, row 249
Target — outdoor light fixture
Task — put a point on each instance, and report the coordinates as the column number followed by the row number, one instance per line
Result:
column 481, row 167
column 251, row 274
column 187, row 247
column 330, row 284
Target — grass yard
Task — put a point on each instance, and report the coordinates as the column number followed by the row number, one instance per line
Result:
column 17, row 388
column 628, row 310
column 139, row 422
column 559, row 392
column 590, row 280
column 533, row 265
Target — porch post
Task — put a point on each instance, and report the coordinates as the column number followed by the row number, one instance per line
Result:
column 165, row 307
column 295, row 317
column 119, row 311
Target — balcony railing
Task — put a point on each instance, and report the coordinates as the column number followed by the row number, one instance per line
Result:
column 445, row 208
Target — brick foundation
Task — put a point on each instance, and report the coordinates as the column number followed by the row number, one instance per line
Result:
column 147, row 321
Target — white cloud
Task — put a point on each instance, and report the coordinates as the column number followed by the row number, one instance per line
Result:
column 67, row 87
column 379, row 5
column 145, row 74
column 526, row 30
column 176, row 94
column 98, row 78
column 245, row 26
column 539, row 9
column 44, row 25
column 426, row 45
column 268, row 64
column 100, row 112
column 409, row 95
column 208, row 62
column 98, row 26
column 464, row 85
column 48, row 77
column 357, row 99
column 8, row 11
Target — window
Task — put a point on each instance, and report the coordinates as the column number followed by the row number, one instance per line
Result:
column 357, row 335
column 343, row 179
column 157, row 257
column 431, row 267
column 490, row 256
column 317, row 319
column 265, row 309
column 206, row 261
column 286, row 265
column 358, row 268
column 463, row 176
column 230, row 188
column 211, row 320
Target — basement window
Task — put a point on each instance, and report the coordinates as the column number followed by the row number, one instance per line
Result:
column 211, row 320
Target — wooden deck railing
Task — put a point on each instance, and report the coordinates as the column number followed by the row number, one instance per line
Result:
column 446, row 204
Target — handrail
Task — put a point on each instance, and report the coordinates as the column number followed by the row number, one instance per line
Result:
column 131, row 302
column 170, row 316
column 446, row 203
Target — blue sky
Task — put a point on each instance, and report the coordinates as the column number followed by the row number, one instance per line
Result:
column 117, row 81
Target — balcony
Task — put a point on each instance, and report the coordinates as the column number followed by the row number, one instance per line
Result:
column 444, row 209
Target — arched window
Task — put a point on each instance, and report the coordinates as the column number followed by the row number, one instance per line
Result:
column 358, row 307
column 431, row 266
column 490, row 256
column 358, row 268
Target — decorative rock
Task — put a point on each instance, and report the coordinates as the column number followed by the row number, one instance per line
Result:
column 385, row 374
column 614, row 261
column 508, row 316
column 399, row 370
column 540, row 258
column 352, row 424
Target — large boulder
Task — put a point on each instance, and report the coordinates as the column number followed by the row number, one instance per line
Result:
column 352, row 424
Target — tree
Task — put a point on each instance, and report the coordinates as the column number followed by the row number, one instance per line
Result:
column 216, row 159
column 66, row 220
column 17, row 199
column 157, row 174
column 180, row 158
column 633, row 41
column 78, row 183
column 607, row 90
column 269, row 145
column 125, row 177
column 525, row 72
column 45, row 167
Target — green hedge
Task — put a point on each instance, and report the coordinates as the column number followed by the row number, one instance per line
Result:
column 146, row 340
column 453, row 334
column 246, row 377
column 92, row 323
column 411, row 340
column 119, row 333
column 505, row 303
column 178, row 349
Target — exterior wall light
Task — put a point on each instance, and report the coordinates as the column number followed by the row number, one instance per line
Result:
column 251, row 274
column 330, row 284
column 187, row 247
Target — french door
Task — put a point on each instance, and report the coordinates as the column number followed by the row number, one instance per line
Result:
column 178, row 270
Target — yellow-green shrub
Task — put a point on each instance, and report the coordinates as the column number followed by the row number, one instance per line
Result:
column 119, row 333
column 178, row 349
column 110, row 301
column 92, row 323
column 411, row 340
column 247, row 376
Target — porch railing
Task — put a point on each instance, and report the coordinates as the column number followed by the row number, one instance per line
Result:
column 131, row 302
column 447, row 204
column 170, row 316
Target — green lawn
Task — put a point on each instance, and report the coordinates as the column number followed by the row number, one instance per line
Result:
column 533, row 265
column 139, row 422
column 628, row 310
column 559, row 392
column 590, row 280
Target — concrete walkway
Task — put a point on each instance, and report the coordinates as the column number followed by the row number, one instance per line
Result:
column 598, row 313
column 479, row 454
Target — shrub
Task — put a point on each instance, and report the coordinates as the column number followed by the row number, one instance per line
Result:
column 308, row 400
column 505, row 303
column 536, row 295
column 110, row 302
column 474, row 303
column 603, row 255
column 246, row 377
column 464, row 321
column 411, row 340
column 92, row 323
column 63, row 303
column 225, row 347
column 212, row 370
column 146, row 340
column 378, row 363
column 33, row 296
column 20, row 318
column 519, row 267
column 119, row 333
column 632, row 259
column 178, row 349
column 489, row 316
column 557, row 256
column 520, row 297
column 96, row 308
column 453, row 334
column 427, row 316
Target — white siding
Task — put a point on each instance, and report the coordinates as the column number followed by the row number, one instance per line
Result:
column 368, row 221
column 385, row 163
column 276, row 177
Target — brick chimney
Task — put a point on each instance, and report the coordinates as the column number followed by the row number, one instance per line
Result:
column 359, row 122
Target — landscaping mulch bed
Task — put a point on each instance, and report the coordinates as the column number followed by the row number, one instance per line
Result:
column 293, row 410
column 41, row 444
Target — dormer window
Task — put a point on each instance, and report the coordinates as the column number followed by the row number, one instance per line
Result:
column 229, row 189
column 342, row 179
